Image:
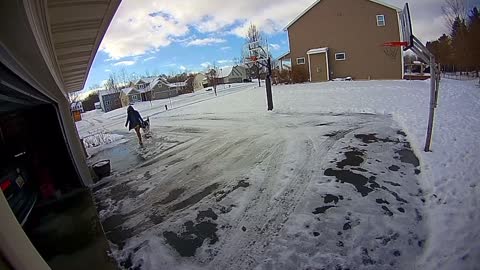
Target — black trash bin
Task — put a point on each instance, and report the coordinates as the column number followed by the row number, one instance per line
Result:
column 102, row 168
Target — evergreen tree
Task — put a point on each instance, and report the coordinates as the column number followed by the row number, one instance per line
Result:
column 460, row 43
column 442, row 50
column 445, row 50
column 474, row 38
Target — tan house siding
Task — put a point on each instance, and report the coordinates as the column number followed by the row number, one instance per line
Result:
column 349, row 26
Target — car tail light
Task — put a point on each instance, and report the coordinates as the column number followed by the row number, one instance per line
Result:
column 6, row 184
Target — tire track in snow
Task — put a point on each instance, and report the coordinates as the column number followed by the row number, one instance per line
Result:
column 266, row 213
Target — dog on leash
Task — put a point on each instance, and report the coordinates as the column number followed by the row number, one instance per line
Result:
column 146, row 128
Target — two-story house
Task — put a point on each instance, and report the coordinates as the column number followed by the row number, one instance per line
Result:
column 110, row 100
column 344, row 38
column 129, row 95
column 161, row 89
column 233, row 74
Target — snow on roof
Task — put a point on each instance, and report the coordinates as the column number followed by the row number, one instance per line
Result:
column 318, row 50
column 75, row 104
column 177, row 84
column 127, row 90
column 223, row 72
column 283, row 55
column 154, row 83
column 148, row 79
column 318, row 1
column 107, row 92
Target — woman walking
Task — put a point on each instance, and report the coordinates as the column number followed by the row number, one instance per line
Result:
column 136, row 122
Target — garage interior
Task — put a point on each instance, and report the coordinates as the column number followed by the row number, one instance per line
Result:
column 49, row 220
column 51, row 203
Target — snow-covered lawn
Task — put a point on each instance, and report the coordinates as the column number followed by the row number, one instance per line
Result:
column 201, row 126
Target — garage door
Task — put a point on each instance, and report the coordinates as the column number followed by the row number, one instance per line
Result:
column 35, row 165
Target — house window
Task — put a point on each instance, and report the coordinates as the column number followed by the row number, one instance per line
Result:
column 380, row 20
column 340, row 56
column 301, row 61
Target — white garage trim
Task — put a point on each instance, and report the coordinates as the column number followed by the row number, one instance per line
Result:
column 15, row 246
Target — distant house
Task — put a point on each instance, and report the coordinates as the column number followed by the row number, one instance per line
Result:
column 144, row 82
column 152, row 88
column 283, row 62
column 77, row 109
column 343, row 38
column 178, row 86
column 235, row 74
column 161, row 89
column 98, row 106
column 76, row 106
column 110, row 100
column 145, row 85
column 200, row 81
column 129, row 96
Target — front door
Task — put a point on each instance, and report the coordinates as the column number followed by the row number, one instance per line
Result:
column 318, row 67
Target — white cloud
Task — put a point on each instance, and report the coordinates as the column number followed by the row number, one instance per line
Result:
column 206, row 64
column 183, row 68
column 275, row 47
column 224, row 61
column 225, row 48
column 102, row 83
column 108, row 70
column 124, row 63
column 149, row 58
column 205, row 41
column 169, row 65
column 141, row 26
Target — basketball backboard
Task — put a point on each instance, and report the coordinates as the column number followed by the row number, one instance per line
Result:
column 406, row 22
column 254, row 53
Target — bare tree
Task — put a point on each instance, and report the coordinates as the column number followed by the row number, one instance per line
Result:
column 236, row 61
column 212, row 77
column 147, row 73
column 256, row 48
column 453, row 9
column 94, row 87
column 133, row 77
column 254, row 37
column 73, row 97
column 112, row 82
column 123, row 77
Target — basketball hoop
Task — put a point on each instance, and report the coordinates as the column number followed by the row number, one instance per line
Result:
column 391, row 51
column 395, row 44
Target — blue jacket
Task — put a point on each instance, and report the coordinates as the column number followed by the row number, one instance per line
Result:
column 134, row 118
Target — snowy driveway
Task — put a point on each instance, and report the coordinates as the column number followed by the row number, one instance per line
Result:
column 265, row 191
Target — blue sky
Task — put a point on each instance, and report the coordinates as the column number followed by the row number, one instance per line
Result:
column 165, row 36
column 179, row 57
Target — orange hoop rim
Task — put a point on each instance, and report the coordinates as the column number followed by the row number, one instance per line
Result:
column 395, row 44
